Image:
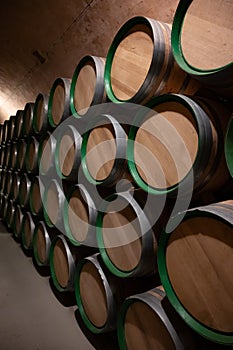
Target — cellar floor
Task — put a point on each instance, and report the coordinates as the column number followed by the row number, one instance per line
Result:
column 31, row 315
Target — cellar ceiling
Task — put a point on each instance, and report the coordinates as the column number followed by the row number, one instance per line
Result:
column 43, row 40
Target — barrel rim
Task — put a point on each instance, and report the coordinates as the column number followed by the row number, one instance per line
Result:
column 71, row 265
column 92, row 212
column 111, row 305
column 52, row 140
column 205, row 331
column 156, row 306
column 154, row 66
column 177, row 26
column 15, row 233
column 61, row 199
column 27, row 216
column 121, row 144
column 147, row 237
column 97, row 98
column 33, row 183
column 65, row 82
column 29, row 106
column 48, row 244
column 204, row 142
column 24, row 203
column 45, row 113
column 228, row 147
column 32, row 142
column 72, row 132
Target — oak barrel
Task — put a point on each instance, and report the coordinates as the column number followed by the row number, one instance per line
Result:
column 201, row 42
column 95, row 296
column 87, row 86
column 195, row 263
column 59, row 101
column 140, row 63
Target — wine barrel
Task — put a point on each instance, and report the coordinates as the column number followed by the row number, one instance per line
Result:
column 31, row 158
column 229, row 146
column 80, row 215
column 42, row 240
column 201, row 45
column 195, row 262
column 40, row 123
column 140, row 63
column 144, row 324
column 14, row 194
column 62, row 264
column 5, row 131
column 2, row 179
column 27, row 120
column 1, row 129
column 20, row 161
column 125, row 238
column 59, row 101
column 95, row 296
column 46, row 154
column 11, row 127
column 10, row 214
column 24, row 190
column 53, row 204
column 3, row 147
column 68, row 153
column 28, row 227
column 36, row 195
column 87, row 85
column 17, row 222
column 103, row 151
column 18, row 124
column 13, row 155
column 4, row 202
column 8, row 182
column 6, row 160
column 177, row 145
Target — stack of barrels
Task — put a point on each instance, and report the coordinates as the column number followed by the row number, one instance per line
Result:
column 121, row 182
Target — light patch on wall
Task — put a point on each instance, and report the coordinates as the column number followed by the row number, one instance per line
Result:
column 8, row 107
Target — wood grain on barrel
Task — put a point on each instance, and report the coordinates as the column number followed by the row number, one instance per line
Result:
column 58, row 103
column 122, row 236
column 85, row 88
column 46, row 156
column 40, row 114
column 145, row 330
column 18, row 218
column 78, row 216
column 131, row 62
column 28, row 230
column 41, row 244
column 36, row 197
column 166, row 145
column 31, row 155
column 101, row 152
column 206, row 38
column 93, row 295
column 52, row 204
column 66, row 155
column 60, row 262
column 200, row 263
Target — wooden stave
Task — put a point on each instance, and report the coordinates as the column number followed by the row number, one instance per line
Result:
column 27, row 120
